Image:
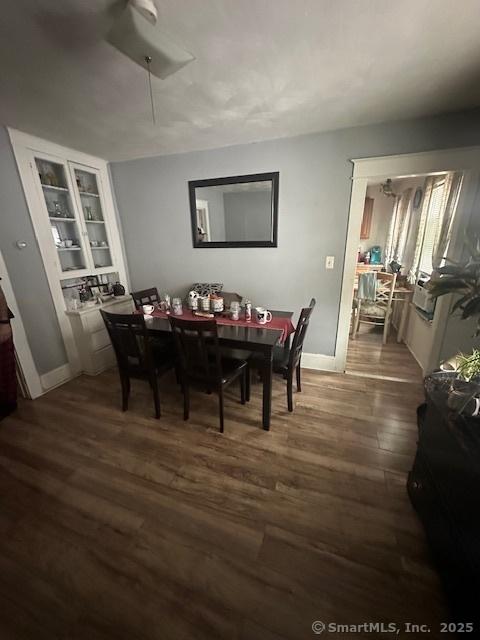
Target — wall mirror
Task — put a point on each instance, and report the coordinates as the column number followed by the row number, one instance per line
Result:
column 240, row 211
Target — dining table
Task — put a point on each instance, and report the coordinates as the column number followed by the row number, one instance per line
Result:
column 246, row 336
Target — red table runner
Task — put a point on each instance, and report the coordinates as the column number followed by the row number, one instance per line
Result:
column 277, row 322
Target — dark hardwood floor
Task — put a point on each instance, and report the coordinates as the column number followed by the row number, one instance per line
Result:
column 368, row 356
column 117, row 525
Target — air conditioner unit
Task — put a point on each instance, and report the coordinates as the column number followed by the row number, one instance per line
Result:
column 423, row 300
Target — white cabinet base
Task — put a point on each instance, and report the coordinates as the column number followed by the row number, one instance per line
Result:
column 91, row 337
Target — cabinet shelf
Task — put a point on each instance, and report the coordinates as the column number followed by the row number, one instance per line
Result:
column 55, row 219
column 95, row 248
column 50, row 186
column 87, row 193
column 95, row 221
column 69, row 248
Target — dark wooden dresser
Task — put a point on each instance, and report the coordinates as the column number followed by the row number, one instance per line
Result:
column 444, row 487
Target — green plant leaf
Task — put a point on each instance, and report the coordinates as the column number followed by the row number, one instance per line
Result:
column 451, row 269
column 461, row 301
column 471, row 308
column 448, row 285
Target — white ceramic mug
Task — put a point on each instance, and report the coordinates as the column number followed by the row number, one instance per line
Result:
column 68, row 243
column 148, row 309
column 263, row 316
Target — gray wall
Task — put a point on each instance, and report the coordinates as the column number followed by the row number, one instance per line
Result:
column 248, row 215
column 315, row 172
column 25, row 267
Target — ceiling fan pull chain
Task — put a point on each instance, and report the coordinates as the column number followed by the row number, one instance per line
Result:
column 148, row 60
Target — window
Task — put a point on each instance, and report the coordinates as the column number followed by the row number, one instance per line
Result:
column 433, row 228
column 433, row 222
column 397, row 233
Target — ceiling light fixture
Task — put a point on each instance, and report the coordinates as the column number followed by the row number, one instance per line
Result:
column 387, row 188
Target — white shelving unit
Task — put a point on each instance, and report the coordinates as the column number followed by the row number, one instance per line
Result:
column 70, row 201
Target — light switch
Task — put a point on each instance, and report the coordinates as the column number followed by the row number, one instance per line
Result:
column 329, row 262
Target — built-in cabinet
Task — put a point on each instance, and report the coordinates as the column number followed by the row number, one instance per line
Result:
column 71, row 206
column 74, row 197
column 96, row 353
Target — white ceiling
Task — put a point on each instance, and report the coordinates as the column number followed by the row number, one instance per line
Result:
column 264, row 69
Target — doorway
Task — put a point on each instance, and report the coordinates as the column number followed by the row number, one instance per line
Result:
column 389, row 248
column 423, row 335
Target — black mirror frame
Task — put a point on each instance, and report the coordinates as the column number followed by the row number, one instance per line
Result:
column 215, row 182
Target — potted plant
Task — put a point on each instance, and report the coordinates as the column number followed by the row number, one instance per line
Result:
column 463, row 280
column 468, row 366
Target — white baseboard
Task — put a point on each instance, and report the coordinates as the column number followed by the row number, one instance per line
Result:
column 319, row 362
column 56, row 377
column 62, row 374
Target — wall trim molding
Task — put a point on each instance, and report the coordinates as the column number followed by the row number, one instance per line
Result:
column 319, row 362
column 56, row 377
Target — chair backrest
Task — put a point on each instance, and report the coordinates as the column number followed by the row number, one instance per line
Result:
column 146, row 296
column 385, row 287
column 196, row 342
column 130, row 341
column 300, row 333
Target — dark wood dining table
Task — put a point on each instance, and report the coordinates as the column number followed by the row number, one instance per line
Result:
column 255, row 338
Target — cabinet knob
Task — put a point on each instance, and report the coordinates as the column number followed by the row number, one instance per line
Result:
column 417, row 485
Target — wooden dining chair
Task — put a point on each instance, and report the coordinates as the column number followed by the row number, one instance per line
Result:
column 145, row 296
column 201, row 362
column 377, row 312
column 137, row 356
column 288, row 361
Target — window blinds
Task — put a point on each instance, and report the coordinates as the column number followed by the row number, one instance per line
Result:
column 432, row 226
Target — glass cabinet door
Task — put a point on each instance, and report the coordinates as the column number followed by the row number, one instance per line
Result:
column 66, row 231
column 91, row 202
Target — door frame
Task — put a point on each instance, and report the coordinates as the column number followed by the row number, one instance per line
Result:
column 366, row 170
column 22, row 348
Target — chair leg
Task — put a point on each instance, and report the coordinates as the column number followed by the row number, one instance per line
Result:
column 186, row 401
column 156, row 396
column 290, row 390
column 125, row 382
column 220, row 407
column 247, row 381
column 356, row 324
column 386, row 328
column 299, row 378
column 243, row 385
